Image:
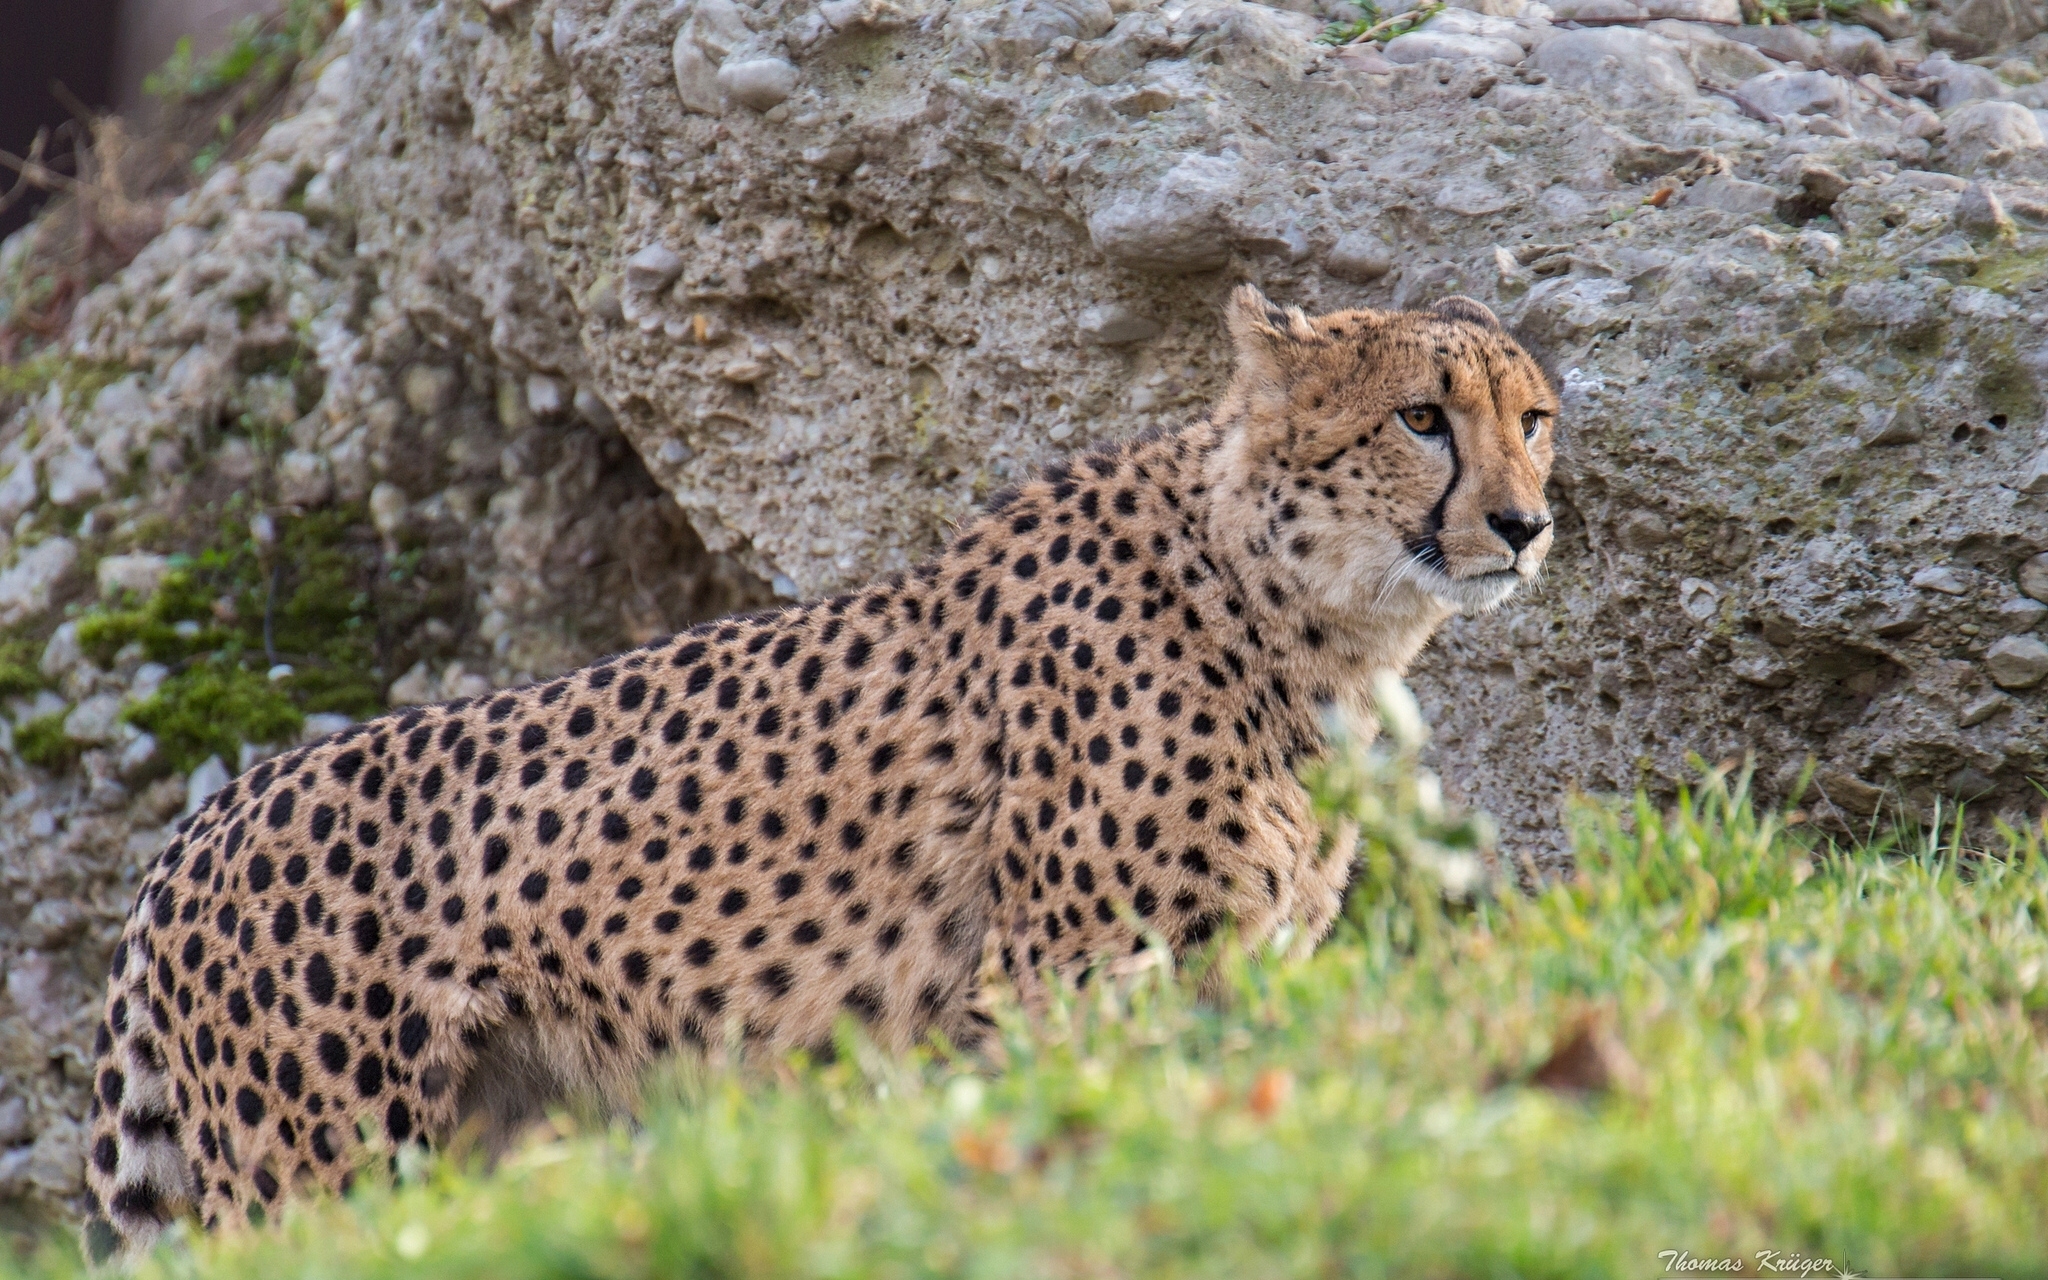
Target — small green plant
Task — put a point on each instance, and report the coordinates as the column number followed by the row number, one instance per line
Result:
column 1345, row 30
column 259, row 56
column 1784, row 12
column 43, row 743
column 1372, row 25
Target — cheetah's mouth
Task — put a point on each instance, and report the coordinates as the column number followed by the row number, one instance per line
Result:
column 1475, row 593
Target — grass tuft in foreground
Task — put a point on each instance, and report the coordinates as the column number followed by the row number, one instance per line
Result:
column 1713, row 1039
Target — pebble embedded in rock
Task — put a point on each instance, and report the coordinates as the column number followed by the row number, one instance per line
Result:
column 654, row 267
column 2021, row 614
column 2034, row 577
column 137, row 573
column 1360, row 257
column 1114, row 324
column 1787, row 93
column 2034, row 475
column 1720, row 12
column 1977, row 130
column 304, row 479
column 1175, row 227
column 1617, row 65
column 1981, row 212
column 26, row 585
column 1421, row 46
column 1978, row 710
column 1943, row 578
column 759, row 83
column 74, row 476
column 97, row 719
column 2017, row 662
column 1783, row 41
column 209, row 777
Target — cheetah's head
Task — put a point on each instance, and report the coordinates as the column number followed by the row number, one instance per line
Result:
column 1377, row 456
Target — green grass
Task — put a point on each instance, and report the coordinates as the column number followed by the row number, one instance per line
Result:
column 1815, row 1052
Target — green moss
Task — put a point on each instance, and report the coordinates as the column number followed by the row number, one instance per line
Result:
column 321, row 602
column 81, row 380
column 20, row 665
column 42, row 742
column 211, row 709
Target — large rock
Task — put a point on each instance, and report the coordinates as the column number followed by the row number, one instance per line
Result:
column 891, row 294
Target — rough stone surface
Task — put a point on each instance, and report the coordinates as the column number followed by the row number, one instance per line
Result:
column 551, row 259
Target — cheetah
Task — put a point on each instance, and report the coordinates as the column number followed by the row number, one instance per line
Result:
column 1076, row 728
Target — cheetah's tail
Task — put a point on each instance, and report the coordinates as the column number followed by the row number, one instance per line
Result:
column 136, row 1167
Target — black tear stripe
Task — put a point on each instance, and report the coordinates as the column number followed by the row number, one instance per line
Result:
column 1425, row 548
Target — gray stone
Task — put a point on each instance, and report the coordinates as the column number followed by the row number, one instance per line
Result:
column 1976, row 27
column 1421, row 46
column 1943, row 578
column 654, row 267
column 1593, row 13
column 1359, row 256
column 209, row 777
column 1980, row 212
column 97, row 719
column 1980, row 133
column 2021, row 614
column 323, row 724
column 1114, row 324
column 1978, row 710
column 1176, row 226
column 1783, row 42
column 1904, row 305
column 149, row 677
column 62, row 652
column 2034, row 475
column 54, row 923
column 1722, row 12
column 138, row 759
column 304, row 479
column 1797, row 93
column 137, row 573
column 1901, row 425
column 19, row 490
column 2033, row 577
column 1858, row 50
column 1617, row 66
column 2017, row 662
column 429, row 388
column 760, row 83
column 1711, row 56
column 74, row 476
column 1732, row 195
column 27, row 584
column 1960, row 82
column 14, row 1128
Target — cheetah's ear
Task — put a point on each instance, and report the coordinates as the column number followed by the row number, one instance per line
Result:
column 1460, row 307
column 1261, row 333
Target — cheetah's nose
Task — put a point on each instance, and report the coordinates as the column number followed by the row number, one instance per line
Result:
column 1518, row 528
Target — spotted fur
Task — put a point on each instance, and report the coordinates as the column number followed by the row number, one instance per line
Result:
column 1081, row 722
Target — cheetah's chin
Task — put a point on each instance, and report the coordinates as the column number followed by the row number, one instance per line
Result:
column 1481, row 593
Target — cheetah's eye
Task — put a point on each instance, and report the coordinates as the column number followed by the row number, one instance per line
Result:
column 1424, row 420
column 1532, row 422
